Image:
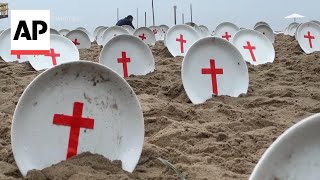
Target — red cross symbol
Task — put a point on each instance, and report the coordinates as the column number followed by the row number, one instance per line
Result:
column 251, row 48
column 182, row 41
column 76, row 121
column 227, row 36
column 143, row 37
column 53, row 55
column 213, row 72
column 308, row 36
column 155, row 31
column 75, row 42
column 124, row 60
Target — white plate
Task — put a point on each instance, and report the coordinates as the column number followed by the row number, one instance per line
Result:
column 129, row 29
column 126, row 55
column 195, row 27
column 146, row 35
column 99, row 37
column 95, row 32
column 5, row 47
column 309, row 37
column 89, row 34
column 180, row 38
column 81, row 28
column 53, row 31
column 164, row 29
column 64, row 32
column 114, row 125
column 232, row 77
column 226, row 31
column 293, row 29
column 294, row 155
column 254, row 47
column 157, row 32
column 267, row 31
column 62, row 51
column 204, row 31
column 80, row 39
column 260, row 23
column 112, row 32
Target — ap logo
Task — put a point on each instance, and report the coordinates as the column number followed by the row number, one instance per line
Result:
column 30, row 32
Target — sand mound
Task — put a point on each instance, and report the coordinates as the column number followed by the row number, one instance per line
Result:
column 221, row 139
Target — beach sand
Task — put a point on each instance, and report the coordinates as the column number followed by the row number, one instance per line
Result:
column 223, row 138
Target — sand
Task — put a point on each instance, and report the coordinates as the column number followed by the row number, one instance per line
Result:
column 223, row 138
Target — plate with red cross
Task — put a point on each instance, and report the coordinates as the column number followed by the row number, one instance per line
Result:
column 80, row 39
column 127, row 55
column 308, row 36
column 213, row 66
column 73, row 108
column 62, row 50
column 267, row 31
column 157, row 32
column 112, row 32
column 226, row 31
column 5, row 48
column 294, row 154
column 164, row 29
column 146, row 35
column 180, row 38
column 255, row 47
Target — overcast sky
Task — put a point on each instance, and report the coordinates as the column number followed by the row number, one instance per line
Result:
column 245, row 13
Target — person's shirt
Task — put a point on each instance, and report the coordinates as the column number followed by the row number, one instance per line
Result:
column 125, row 21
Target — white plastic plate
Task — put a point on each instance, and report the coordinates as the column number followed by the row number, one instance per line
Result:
column 74, row 108
column 309, row 37
column 112, row 32
column 129, row 29
column 64, row 32
column 146, row 35
column 62, row 50
column 99, row 37
column 126, row 55
column 180, row 38
column 226, row 31
column 255, row 47
column 294, row 155
column 267, row 31
column 213, row 66
column 5, row 48
column 54, row 31
column 80, row 39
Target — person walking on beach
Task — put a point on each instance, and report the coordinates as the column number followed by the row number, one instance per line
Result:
column 126, row 21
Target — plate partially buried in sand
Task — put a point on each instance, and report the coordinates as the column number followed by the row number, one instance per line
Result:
column 127, row 55
column 213, row 66
column 294, row 155
column 62, row 50
column 308, row 36
column 5, row 48
column 74, row 108
column 180, row 38
column 255, row 47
